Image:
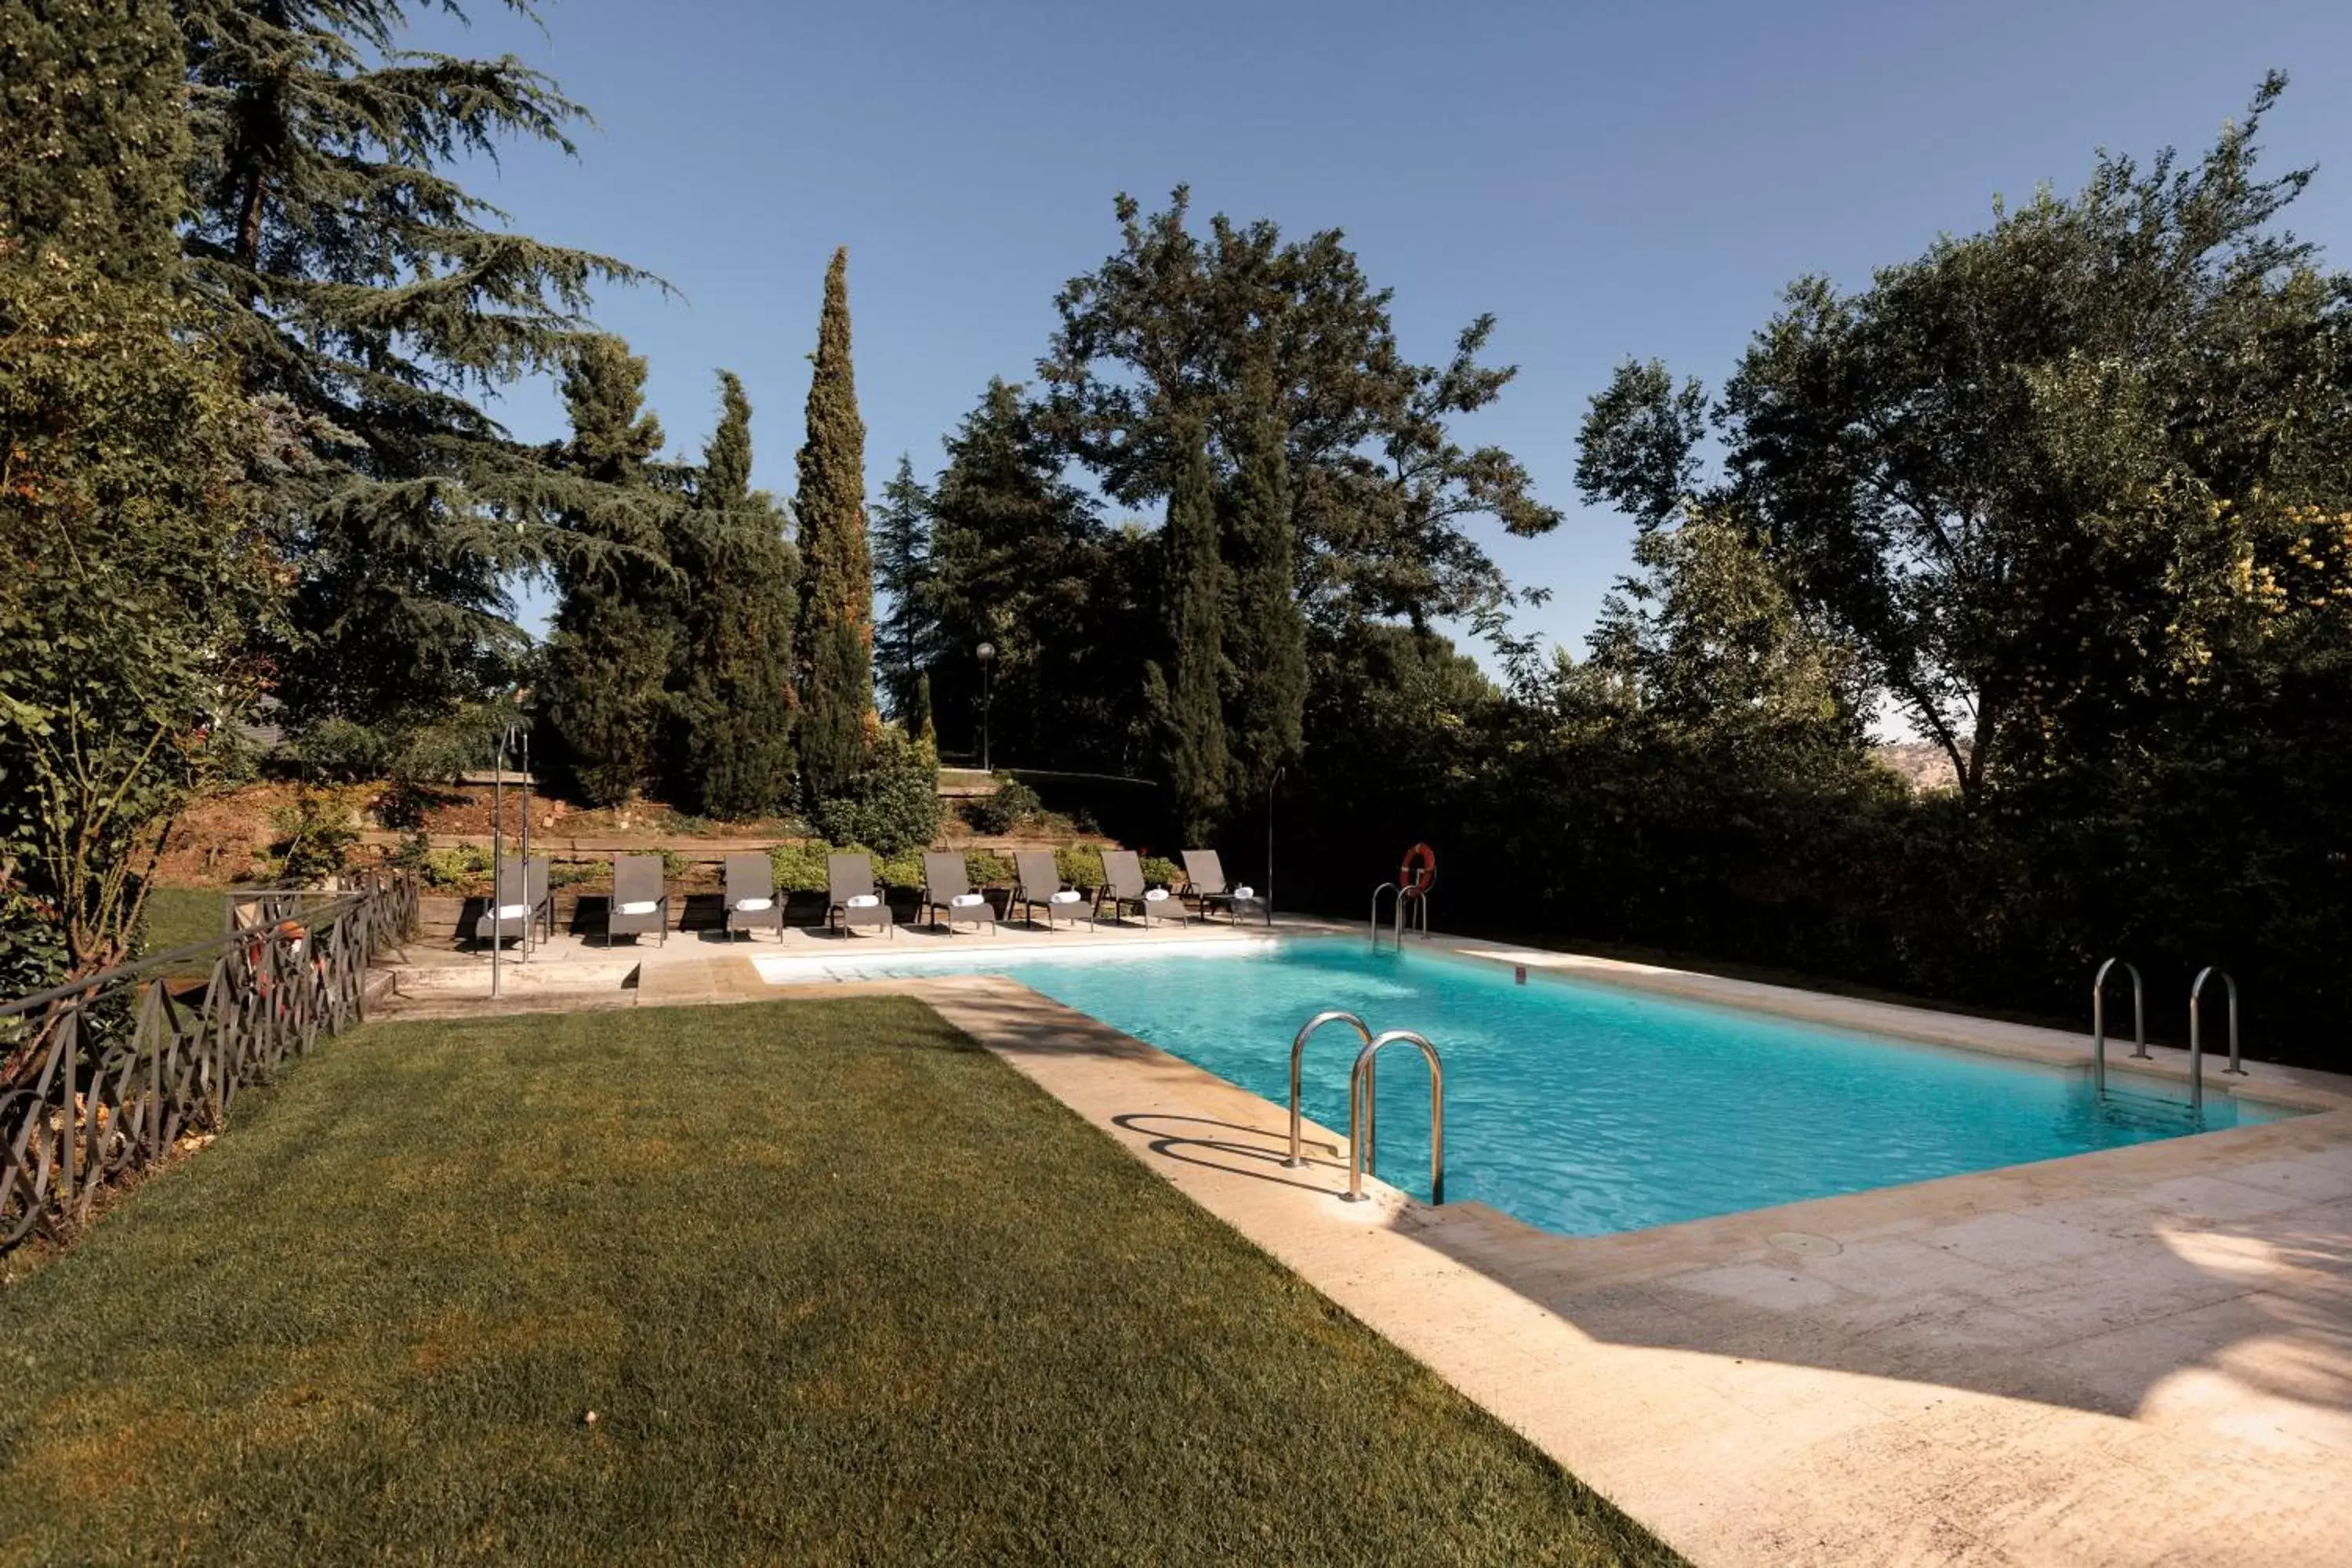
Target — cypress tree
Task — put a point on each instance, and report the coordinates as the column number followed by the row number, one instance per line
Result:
column 836, row 640
column 608, row 660
column 1265, row 635
column 1187, row 693
column 732, row 693
column 904, row 639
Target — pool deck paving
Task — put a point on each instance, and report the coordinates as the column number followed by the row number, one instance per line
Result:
column 2140, row 1355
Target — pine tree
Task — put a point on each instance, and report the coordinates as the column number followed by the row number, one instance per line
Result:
column 1188, row 690
column 904, row 640
column 609, row 657
column 372, row 301
column 1265, row 635
column 732, row 695
column 836, row 637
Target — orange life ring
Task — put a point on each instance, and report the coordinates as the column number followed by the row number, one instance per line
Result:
column 1419, row 871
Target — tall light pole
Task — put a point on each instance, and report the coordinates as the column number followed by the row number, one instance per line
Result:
column 987, row 652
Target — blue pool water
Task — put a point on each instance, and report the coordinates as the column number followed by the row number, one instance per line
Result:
column 1585, row 1109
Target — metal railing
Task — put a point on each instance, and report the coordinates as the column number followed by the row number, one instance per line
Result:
column 1359, row 1113
column 2099, row 1021
column 1298, row 1049
column 102, row 1077
column 2197, row 1034
column 1405, row 898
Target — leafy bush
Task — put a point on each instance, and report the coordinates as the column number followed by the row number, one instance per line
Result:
column 571, row 873
column 1080, row 866
column 800, row 868
column 904, row 870
column 456, row 868
column 1160, row 873
column 1013, row 805
column 317, row 837
column 892, row 806
column 988, row 871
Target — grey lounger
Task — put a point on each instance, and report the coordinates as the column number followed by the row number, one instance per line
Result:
column 947, row 893
column 520, row 900
column 1123, row 886
column 752, row 902
column 1038, row 886
column 640, row 898
column 855, row 898
column 1204, row 882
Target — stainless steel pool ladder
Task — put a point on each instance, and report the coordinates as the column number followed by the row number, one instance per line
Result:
column 2196, row 1034
column 1359, row 1113
column 1298, row 1049
column 1363, row 1101
column 2099, row 1021
column 1419, row 903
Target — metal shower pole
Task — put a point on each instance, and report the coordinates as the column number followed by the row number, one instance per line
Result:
column 1269, row 842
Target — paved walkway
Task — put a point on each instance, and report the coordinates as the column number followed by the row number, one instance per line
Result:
column 2138, row 1356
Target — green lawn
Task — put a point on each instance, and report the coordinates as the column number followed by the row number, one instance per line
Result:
column 839, row 1286
column 181, row 917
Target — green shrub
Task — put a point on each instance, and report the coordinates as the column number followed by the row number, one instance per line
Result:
column 800, row 868
column 988, row 869
column 571, row 873
column 455, row 868
column 893, row 804
column 414, row 852
column 317, row 837
column 1014, row 804
column 904, row 870
column 1080, row 866
column 1160, row 873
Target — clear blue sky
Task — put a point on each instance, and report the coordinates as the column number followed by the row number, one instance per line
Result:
column 1608, row 179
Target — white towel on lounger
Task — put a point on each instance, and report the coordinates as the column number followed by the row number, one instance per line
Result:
column 1067, row 896
column 1245, row 892
column 1155, row 895
column 513, row 911
column 863, row 900
column 753, row 906
column 640, row 906
column 967, row 901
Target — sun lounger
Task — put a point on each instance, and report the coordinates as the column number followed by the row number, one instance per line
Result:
column 855, row 898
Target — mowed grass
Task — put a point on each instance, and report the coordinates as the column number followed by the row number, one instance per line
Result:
column 839, row 1286
column 182, row 916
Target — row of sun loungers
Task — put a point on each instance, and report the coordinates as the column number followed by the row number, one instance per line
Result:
column 521, row 901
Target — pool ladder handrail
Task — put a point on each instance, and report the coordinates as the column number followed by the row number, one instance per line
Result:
column 1421, row 913
column 1298, row 1049
column 2099, row 1020
column 2197, row 1034
column 1359, row 1109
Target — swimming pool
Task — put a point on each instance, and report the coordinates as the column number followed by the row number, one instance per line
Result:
column 1583, row 1108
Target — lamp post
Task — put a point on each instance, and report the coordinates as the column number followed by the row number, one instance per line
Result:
column 987, row 652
